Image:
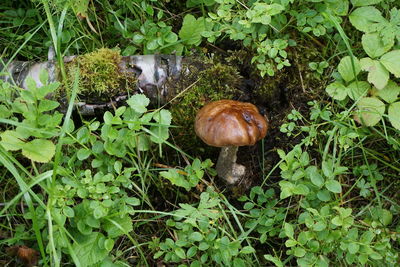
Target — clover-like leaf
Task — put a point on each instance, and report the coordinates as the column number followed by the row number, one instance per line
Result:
column 370, row 111
column 374, row 46
column 358, row 89
column 138, row 103
column 378, row 75
column 391, row 61
column 337, row 91
column 389, row 93
column 394, row 115
column 347, row 70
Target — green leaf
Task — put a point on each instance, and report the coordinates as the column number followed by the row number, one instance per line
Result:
column 114, row 231
column 299, row 252
column 365, row 2
column 394, row 115
column 11, row 140
column 83, row 153
column 353, row 248
column 247, row 250
column 391, row 61
column 289, row 231
column 370, row 111
column 358, row 89
column 365, row 18
column 196, row 236
column 175, row 178
column 46, row 105
column 378, row 75
column 138, row 103
column 290, row 243
column 333, row 186
column 389, row 93
column 315, row 177
column 180, row 253
column 337, row 91
column 346, row 69
column 191, row 30
column 109, row 244
column 87, row 249
column 373, row 45
column 275, row 260
column 39, row 150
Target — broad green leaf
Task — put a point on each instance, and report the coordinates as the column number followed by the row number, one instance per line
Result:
column 109, row 244
column 378, row 75
column 196, row 236
column 289, row 231
column 391, row 61
column 365, row 18
column 175, row 178
column 39, row 150
column 299, row 252
column 333, row 186
column 373, row 45
column 87, row 249
column 339, row 7
column 191, row 30
column 275, row 260
column 365, row 2
column 11, row 140
column 337, row 91
column 46, row 105
column 370, row 111
column 346, row 69
column 83, row 153
column 113, row 231
column 138, row 103
column 180, row 253
column 353, row 248
column 247, row 250
column 390, row 93
column 394, row 115
column 355, row 90
column 315, row 177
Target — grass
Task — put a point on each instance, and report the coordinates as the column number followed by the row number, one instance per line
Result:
column 138, row 217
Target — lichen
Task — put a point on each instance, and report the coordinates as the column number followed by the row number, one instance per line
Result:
column 99, row 75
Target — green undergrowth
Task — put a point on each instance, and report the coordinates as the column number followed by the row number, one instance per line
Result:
column 122, row 189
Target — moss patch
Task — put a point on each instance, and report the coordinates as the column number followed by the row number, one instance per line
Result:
column 100, row 77
column 216, row 82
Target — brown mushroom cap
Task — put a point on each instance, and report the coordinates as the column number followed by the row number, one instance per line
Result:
column 230, row 123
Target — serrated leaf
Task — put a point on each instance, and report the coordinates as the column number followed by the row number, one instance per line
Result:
column 191, row 30
column 123, row 222
column 87, row 249
column 337, row 91
column 175, row 178
column 394, row 115
column 373, row 45
column 39, row 150
column 370, row 111
column 11, row 140
column 347, row 70
column 378, row 75
column 389, row 93
column 358, row 89
column 333, row 186
column 138, row 103
column 391, row 61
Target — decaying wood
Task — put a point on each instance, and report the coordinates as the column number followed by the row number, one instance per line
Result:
column 158, row 77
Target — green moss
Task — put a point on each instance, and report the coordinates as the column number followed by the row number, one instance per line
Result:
column 214, row 83
column 99, row 76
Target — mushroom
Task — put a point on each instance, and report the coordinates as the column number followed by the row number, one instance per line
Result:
column 230, row 124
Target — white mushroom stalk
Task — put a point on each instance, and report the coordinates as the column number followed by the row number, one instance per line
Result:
column 227, row 168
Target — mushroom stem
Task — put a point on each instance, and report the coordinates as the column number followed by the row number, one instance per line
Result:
column 227, row 168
